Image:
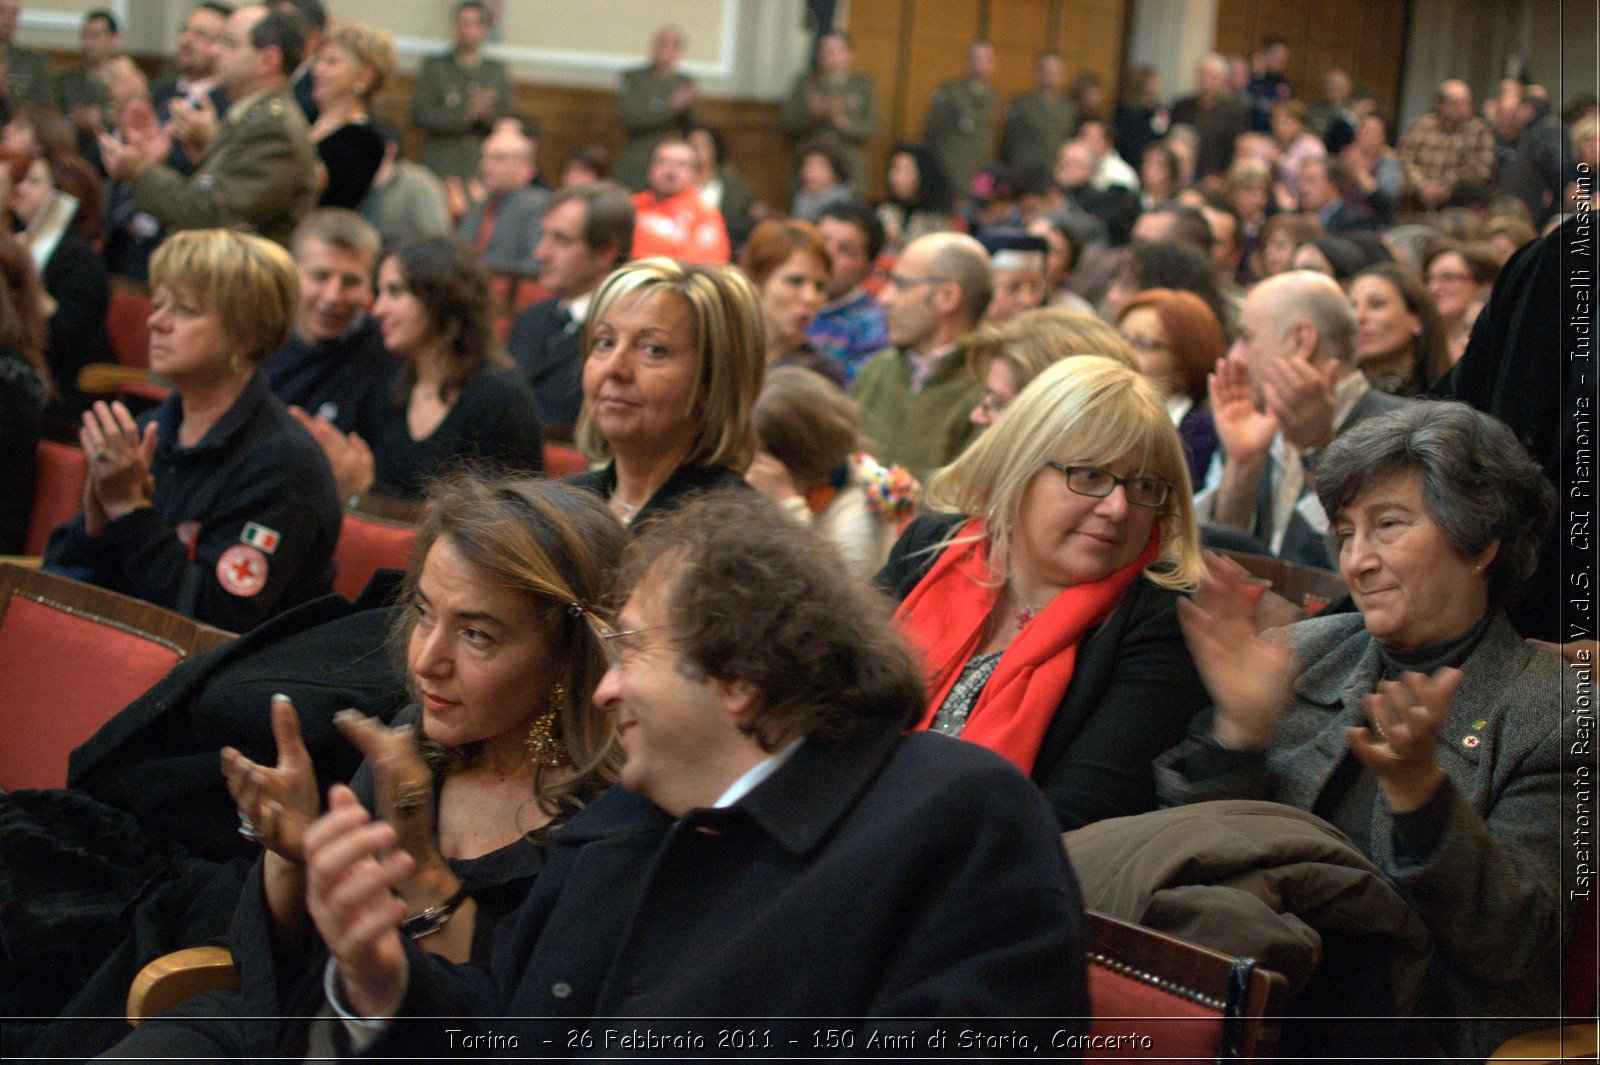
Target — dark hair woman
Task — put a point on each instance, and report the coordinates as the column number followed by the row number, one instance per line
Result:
column 458, row 399
column 502, row 744
column 1400, row 343
column 24, row 390
column 73, row 272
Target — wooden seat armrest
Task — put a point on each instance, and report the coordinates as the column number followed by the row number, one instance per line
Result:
column 173, row 979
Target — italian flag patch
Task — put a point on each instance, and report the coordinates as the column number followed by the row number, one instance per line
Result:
column 260, row 537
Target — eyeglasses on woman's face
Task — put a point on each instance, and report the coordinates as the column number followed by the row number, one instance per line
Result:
column 1096, row 483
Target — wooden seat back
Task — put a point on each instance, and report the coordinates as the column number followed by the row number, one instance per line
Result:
column 1172, row 1000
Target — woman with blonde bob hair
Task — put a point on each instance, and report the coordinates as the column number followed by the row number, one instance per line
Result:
column 1006, row 357
column 674, row 358
column 1043, row 596
column 351, row 68
column 243, row 516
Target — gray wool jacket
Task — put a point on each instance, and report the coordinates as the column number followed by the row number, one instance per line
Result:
column 1491, row 892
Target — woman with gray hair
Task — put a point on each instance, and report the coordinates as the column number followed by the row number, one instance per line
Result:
column 1424, row 727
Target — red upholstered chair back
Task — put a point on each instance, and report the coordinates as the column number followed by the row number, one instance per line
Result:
column 71, row 656
column 57, row 493
column 563, row 461
column 1190, row 1002
column 127, row 321
column 366, row 545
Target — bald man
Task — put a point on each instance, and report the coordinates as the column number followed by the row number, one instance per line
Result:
column 916, row 395
column 1288, row 387
column 504, row 226
column 653, row 103
column 1448, row 147
column 1216, row 115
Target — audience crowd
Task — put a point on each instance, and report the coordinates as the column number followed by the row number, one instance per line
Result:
column 864, row 479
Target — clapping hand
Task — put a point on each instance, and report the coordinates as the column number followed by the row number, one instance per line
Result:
column 1247, row 675
column 120, row 458
column 1301, row 397
column 276, row 803
column 353, row 867
column 404, row 789
column 1244, row 431
column 1401, row 741
column 354, row 469
column 194, row 124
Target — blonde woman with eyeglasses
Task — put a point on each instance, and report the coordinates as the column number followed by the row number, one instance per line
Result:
column 1042, row 592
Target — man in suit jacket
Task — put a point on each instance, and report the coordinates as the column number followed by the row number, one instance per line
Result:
column 1325, row 190
column 588, row 232
column 504, row 225
column 1216, row 114
column 1288, row 387
column 777, row 848
column 260, row 169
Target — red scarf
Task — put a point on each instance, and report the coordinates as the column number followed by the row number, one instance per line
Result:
column 944, row 618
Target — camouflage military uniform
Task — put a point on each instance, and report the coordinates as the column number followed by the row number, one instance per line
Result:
column 260, row 172
column 960, row 129
column 439, row 106
column 862, row 121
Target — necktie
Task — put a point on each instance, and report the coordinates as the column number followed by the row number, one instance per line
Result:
column 491, row 213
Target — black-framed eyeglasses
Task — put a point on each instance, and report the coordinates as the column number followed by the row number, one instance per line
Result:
column 1097, row 484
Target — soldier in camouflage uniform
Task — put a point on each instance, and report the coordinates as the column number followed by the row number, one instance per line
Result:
column 458, row 96
column 835, row 106
column 259, row 171
column 960, row 126
column 654, row 101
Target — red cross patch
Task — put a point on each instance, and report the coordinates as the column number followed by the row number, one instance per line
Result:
column 242, row 570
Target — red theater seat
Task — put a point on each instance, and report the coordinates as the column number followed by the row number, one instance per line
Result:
column 71, row 656
column 563, row 461
column 57, row 494
column 1191, row 1003
column 368, row 543
column 127, row 321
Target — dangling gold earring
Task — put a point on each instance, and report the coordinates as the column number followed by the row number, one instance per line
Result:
column 544, row 746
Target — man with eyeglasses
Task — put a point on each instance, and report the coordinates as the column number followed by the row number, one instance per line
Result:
column 1287, row 388
column 915, row 396
column 779, row 847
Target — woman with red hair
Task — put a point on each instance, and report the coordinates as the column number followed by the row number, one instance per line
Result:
column 788, row 263
column 1177, row 340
